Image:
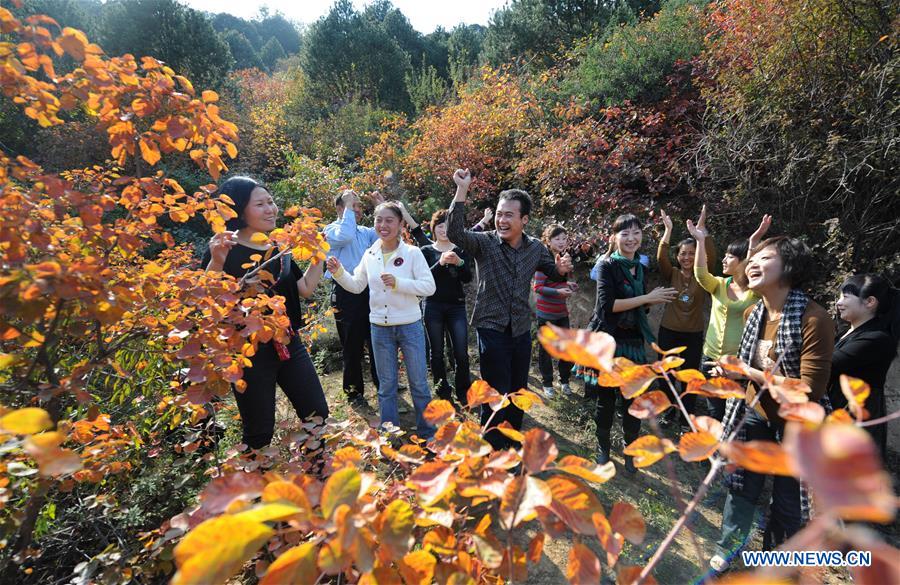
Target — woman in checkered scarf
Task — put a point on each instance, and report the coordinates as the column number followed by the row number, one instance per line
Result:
column 790, row 336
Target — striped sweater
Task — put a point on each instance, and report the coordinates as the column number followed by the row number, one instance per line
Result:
column 550, row 305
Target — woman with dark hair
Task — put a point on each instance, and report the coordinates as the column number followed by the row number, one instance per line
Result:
column 730, row 298
column 289, row 365
column 684, row 319
column 790, row 336
column 870, row 304
column 551, row 308
column 445, row 310
column 396, row 275
column 621, row 311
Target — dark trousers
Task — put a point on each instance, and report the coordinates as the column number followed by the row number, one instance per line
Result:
column 441, row 318
column 352, row 319
column 606, row 414
column 545, row 362
column 298, row 380
column 694, row 344
column 785, row 517
column 715, row 407
column 505, row 360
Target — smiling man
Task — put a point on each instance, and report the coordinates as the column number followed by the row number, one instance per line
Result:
column 506, row 259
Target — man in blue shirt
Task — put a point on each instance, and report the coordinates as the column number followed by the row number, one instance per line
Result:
column 348, row 241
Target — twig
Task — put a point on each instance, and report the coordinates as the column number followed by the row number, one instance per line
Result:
column 878, row 421
column 676, row 494
column 670, row 537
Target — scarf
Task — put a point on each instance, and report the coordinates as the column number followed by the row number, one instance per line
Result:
column 636, row 283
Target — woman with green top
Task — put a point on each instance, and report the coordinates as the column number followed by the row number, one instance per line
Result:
column 730, row 298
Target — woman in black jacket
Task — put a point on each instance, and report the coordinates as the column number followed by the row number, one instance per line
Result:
column 621, row 311
column 865, row 351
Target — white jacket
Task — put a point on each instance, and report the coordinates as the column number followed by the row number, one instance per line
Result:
column 391, row 306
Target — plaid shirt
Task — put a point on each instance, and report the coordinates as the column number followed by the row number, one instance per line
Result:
column 504, row 273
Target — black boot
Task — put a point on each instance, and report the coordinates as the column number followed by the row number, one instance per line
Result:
column 603, row 444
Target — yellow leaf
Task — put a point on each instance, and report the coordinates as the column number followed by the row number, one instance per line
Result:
column 259, row 238
column 216, row 549
column 341, row 488
column 270, row 512
column 26, row 421
column 297, row 565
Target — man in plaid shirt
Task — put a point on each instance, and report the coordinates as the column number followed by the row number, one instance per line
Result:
column 506, row 260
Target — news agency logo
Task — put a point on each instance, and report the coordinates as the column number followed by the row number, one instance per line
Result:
column 807, row 558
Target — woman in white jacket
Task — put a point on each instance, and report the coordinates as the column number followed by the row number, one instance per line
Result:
column 397, row 276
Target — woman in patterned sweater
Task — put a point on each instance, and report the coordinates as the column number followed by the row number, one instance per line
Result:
column 551, row 308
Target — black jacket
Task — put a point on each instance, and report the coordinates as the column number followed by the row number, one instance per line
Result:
column 866, row 353
column 611, row 285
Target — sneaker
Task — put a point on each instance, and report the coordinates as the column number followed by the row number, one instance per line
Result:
column 718, row 563
column 548, row 391
column 566, row 389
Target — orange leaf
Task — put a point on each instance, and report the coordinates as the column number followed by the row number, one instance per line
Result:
column 481, row 393
column 209, row 96
column 716, row 388
column 627, row 575
column 580, row 467
column 610, row 540
column 525, row 399
column 583, row 566
column 790, row 390
column 627, row 521
column 522, row 496
column 689, row 376
column 285, row 491
column 538, row 450
column 585, row 348
column 649, row 404
column 438, row 412
column 573, row 503
column 73, row 42
column 802, row 412
column 508, row 431
column 635, row 380
column 856, row 391
column 731, row 363
column 842, row 466
column 536, row 548
column 417, row 568
column 431, row 480
column 697, row 446
column 649, row 449
column 149, row 151
column 759, row 456
column 296, row 565
column 668, row 352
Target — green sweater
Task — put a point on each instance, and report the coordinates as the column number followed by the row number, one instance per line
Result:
column 726, row 323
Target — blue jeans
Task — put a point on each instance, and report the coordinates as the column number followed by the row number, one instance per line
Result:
column 387, row 343
column 449, row 317
column 505, row 361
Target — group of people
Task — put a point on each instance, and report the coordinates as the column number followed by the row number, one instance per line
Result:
column 759, row 310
